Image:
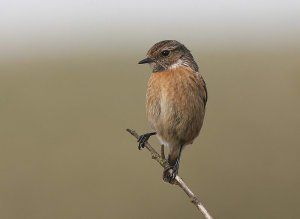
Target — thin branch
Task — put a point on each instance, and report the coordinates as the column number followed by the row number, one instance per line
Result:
column 178, row 181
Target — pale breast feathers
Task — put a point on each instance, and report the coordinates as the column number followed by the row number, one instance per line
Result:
column 176, row 103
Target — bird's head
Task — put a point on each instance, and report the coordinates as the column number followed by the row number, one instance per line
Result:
column 169, row 54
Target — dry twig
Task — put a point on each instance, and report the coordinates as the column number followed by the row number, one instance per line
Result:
column 156, row 156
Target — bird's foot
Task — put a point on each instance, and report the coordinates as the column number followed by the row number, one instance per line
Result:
column 170, row 173
column 143, row 139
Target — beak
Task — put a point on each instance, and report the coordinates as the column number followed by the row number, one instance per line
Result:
column 146, row 60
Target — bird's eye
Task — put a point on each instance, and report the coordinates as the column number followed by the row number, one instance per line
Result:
column 165, row 52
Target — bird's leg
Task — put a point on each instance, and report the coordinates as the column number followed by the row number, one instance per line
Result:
column 162, row 152
column 143, row 139
column 172, row 167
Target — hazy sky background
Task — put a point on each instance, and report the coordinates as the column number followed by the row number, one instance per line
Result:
column 47, row 27
column 70, row 85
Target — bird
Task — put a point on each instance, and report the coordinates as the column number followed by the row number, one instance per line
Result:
column 176, row 99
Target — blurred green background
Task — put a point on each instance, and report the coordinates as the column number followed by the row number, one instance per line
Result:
column 70, row 86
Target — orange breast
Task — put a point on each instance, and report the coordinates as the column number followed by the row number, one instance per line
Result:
column 174, row 104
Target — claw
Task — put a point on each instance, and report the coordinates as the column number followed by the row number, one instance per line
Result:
column 170, row 173
column 143, row 139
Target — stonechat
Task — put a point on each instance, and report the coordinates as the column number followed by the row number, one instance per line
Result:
column 175, row 101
